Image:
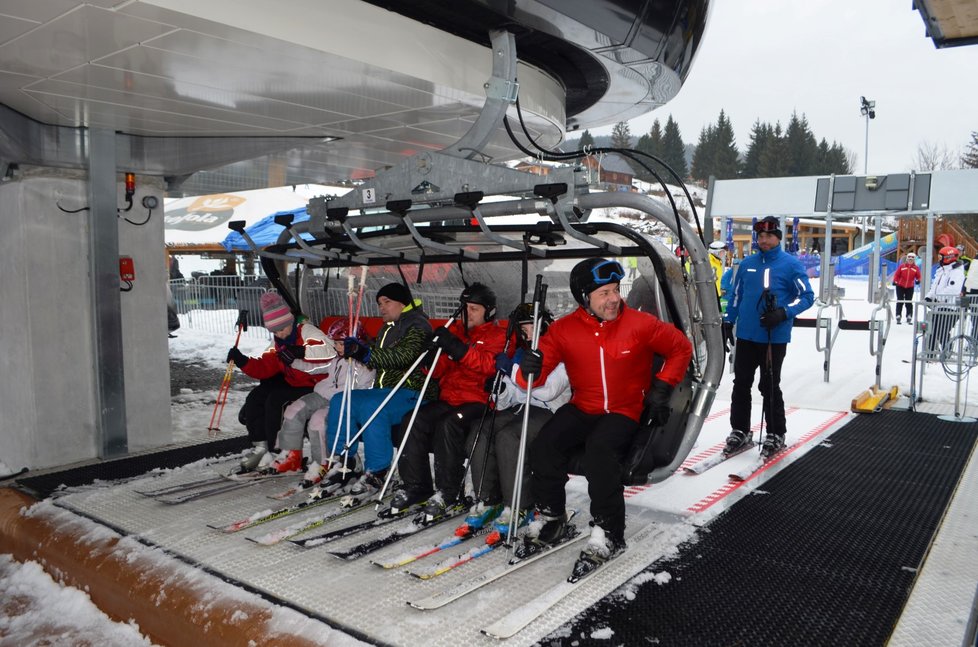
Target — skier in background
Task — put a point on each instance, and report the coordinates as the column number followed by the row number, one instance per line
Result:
column 905, row 277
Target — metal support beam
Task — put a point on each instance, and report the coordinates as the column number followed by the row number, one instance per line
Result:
column 110, row 394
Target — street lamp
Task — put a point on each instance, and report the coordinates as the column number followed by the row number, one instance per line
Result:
column 868, row 110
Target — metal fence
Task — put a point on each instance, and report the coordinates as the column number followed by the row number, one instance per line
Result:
column 214, row 307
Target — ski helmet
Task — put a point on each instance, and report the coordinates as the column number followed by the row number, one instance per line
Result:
column 481, row 294
column 590, row 274
column 523, row 314
column 717, row 246
column 948, row 255
column 340, row 330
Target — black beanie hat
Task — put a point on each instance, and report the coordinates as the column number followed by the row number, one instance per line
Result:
column 771, row 225
column 395, row 292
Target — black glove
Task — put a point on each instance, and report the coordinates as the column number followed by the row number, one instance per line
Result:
column 532, row 362
column 491, row 381
column 728, row 336
column 659, row 403
column 772, row 318
column 454, row 347
column 353, row 348
column 236, row 356
column 290, row 352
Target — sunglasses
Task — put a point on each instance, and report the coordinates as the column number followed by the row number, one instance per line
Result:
column 766, row 225
column 607, row 272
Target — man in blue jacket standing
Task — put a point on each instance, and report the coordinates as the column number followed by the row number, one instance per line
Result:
column 771, row 289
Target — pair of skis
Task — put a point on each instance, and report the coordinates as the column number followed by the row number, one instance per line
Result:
column 742, row 474
column 205, row 487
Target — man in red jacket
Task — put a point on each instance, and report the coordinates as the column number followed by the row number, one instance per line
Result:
column 906, row 276
column 607, row 349
column 469, row 354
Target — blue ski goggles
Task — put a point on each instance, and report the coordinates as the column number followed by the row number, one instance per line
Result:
column 607, row 272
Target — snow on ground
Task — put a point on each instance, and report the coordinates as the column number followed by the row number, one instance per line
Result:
column 31, row 604
column 36, row 610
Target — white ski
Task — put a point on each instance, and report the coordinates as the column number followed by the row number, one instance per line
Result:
column 446, row 596
column 515, row 621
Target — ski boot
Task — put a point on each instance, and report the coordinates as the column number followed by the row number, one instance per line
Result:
column 405, row 498
column 601, row 547
column 773, row 443
column 341, row 474
column 500, row 527
column 290, row 461
column 368, row 484
column 552, row 530
column 737, row 442
column 250, row 461
column 478, row 517
column 314, row 474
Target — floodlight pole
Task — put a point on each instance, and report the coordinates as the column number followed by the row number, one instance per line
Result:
column 867, row 108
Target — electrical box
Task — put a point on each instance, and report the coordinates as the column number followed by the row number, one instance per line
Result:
column 127, row 271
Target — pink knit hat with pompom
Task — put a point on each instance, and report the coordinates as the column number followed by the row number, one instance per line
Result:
column 275, row 312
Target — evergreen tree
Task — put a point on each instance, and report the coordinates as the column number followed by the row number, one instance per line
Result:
column 621, row 135
column 838, row 160
column 822, row 158
column 760, row 135
column 650, row 143
column 772, row 157
column 970, row 157
column 801, row 150
column 586, row 140
column 704, row 155
column 726, row 157
column 674, row 150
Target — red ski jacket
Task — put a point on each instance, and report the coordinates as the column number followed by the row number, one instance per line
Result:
column 906, row 275
column 609, row 363
column 465, row 380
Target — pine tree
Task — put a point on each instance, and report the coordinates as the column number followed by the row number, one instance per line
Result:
column 586, row 140
column 674, row 150
column 703, row 157
column 651, row 144
column 760, row 135
column 621, row 135
column 727, row 157
column 800, row 148
column 772, row 157
column 970, row 157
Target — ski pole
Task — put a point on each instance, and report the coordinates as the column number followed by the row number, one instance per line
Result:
column 417, row 405
column 222, row 393
column 539, row 298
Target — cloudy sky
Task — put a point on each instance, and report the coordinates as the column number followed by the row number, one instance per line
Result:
column 764, row 59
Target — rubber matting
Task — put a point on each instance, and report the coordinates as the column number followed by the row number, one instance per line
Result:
column 42, row 485
column 825, row 553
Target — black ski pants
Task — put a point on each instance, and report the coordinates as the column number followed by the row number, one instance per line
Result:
column 441, row 429
column 749, row 357
column 604, row 440
column 904, row 297
column 262, row 411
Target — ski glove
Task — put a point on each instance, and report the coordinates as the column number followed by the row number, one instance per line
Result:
column 353, row 348
column 490, row 381
column 659, row 403
column 772, row 318
column 504, row 363
column 236, row 356
column 728, row 336
column 290, row 352
column 532, row 362
column 454, row 347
